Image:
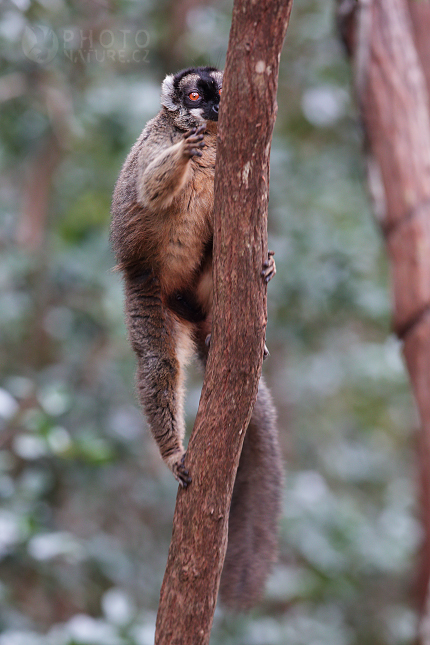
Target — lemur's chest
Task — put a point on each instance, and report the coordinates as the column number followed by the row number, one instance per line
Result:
column 191, row 226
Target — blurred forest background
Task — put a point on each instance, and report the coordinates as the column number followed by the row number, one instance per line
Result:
column 86, row 504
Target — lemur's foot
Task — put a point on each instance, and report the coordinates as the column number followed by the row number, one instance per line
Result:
column 269, row 267
column 193, row 141
column 181, row 473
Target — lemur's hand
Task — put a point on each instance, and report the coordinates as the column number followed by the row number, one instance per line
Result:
column 193, row 141
column 269, row 267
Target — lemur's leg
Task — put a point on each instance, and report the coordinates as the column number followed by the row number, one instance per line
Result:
column 162, row 346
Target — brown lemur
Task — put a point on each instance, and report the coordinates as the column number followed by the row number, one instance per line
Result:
column 162, row 231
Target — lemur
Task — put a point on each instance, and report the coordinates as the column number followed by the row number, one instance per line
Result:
column 162, row 236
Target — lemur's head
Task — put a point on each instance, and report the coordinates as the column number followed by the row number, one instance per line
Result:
column 193, row 95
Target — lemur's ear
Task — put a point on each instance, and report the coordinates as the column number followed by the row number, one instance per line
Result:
column 167, row 92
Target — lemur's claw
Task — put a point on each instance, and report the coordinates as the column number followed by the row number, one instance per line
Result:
column 194, row 141
column 266, row 352
column 189, row 133
column 269, row 267
column 181, row 473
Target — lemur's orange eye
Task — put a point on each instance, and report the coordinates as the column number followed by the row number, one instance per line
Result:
column 220, row 90
column 194, row 96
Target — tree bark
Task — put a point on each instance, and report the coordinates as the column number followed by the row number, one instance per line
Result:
column 36, row 195
column 247, row 115
column 420, row 15
column 419, row 347
column 391, row 56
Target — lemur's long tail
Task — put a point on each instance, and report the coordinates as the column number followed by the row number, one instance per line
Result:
column 255, row 509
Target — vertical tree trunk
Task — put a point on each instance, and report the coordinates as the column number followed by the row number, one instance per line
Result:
column 389, row 51
column 36, row 195
column 420, row 15
column 247, row 116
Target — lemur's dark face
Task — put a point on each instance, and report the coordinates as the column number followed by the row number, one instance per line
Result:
column 201, row 94
column 194, row 93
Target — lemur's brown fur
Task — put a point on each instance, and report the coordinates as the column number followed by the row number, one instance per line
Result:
column 162, row 230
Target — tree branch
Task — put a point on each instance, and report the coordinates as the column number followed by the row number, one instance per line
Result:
column 247, row 116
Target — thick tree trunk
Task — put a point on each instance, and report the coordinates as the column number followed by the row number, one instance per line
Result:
column 247, row 115
column 420, row 15
column 392, row 58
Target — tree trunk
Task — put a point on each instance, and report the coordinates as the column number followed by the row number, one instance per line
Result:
column 392, row 57
column 248, row 110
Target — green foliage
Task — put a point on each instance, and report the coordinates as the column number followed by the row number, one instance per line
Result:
column 86, row 505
